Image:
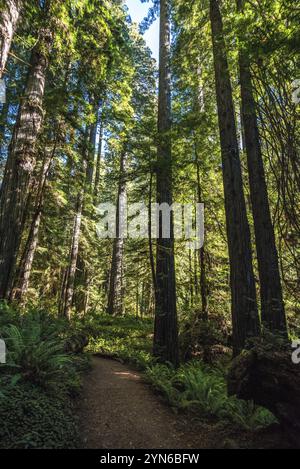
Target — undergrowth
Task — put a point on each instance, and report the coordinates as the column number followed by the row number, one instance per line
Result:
column 193, row 387
column 40, row 380
column 127, row 338
column 202, row 389
column 37, row 383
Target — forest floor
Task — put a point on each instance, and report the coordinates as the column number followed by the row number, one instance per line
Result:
column 122, row 396
column 118, row 410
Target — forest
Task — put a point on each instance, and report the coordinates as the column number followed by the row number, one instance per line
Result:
column 116, row 332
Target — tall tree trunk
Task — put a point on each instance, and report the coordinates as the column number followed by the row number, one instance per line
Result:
column 137, row 296
column 20, row 165
column 25, row 266
column 9, row 16
column 70, row 277
column 98, row 160
column 91, row 158
column 115, row 305
column 191, row 278
column 245, row 318
column 273, row 313
column 68, row 286
column 83, row 274
column 3, row 124
column 196, row 281
column 151, row 253
column 166, row 329
column 201, row 252
column 22, row 283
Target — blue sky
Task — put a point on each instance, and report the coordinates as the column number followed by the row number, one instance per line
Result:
column 138, row 11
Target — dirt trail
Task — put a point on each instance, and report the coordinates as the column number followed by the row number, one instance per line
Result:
column 119, row 411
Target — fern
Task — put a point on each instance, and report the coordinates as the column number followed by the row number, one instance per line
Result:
column 198, row 387
column 37, row 354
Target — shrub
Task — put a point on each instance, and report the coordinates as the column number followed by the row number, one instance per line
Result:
column 35, row 353
column 202, row 389
column 37, row 383
column 29, row 418
column 125, row 337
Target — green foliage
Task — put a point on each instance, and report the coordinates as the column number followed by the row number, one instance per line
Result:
column 125, row 337
column 193, row 387
column 37, row 383
column 35, row 353
column 41, row 362
column 30, row 418
column 102, row 74
column 198, row 335
column 202, row 389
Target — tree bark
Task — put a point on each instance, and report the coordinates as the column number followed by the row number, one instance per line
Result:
column 91, row 158
column 3, row 124
column 151, row 253
column 21, row 163
column 22, row 284
column 267, row 375
column 166, row 329
column 70, row 279
column 9, row 16
column 83, row 274
column 273, row 313
column 68, row 286
column 245, row 318
column 201, row 252
column 99, row 159
column 115, row 305
column 191, row 275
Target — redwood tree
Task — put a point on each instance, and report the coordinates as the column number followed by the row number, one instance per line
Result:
column 24, row 271
column 272, row 306
column 21, row 162
column 245, row 318
column 166, row 329
column 9, row 15
column 115, row 305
